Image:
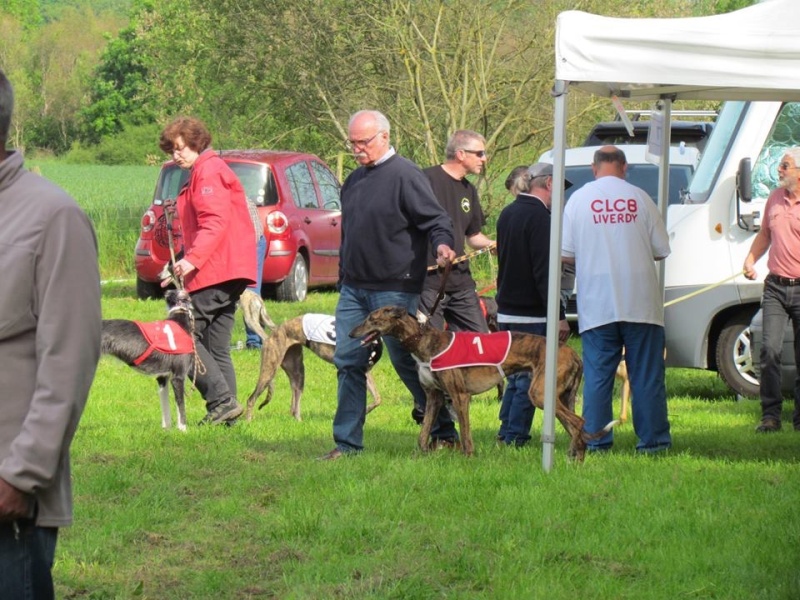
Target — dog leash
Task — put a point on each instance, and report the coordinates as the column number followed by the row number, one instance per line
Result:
column 472, row 254
column 702, row 290
column 169, row 214
column 440, row 294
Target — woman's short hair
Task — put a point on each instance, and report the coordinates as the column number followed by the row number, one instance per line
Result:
column 194, row 132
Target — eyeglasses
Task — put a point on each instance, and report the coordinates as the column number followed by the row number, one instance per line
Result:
column 178, row 149
column 478, row 153
column 786, row 165
column 361, row 143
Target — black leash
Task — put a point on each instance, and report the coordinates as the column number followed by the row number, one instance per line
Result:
column 440, row 294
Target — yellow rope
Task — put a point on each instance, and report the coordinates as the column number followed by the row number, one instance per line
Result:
column 701, row 290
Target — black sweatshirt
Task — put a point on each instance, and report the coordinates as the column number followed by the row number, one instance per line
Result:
column 389, row 215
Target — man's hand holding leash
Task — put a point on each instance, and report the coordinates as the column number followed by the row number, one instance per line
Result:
column 444, row 255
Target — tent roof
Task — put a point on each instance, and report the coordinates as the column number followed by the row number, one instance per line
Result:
column 748, row 54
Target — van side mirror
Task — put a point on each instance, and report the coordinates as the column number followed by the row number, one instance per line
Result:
column 744, row 180
column 744, row 193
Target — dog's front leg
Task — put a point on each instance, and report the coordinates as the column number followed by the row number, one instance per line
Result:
column 163, row 396
column 373, row 390
column 434, row 400
column 178, row 388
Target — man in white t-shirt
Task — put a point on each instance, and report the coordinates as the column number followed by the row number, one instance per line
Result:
column 614, row 233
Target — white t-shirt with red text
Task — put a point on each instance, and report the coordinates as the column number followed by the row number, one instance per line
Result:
column 614, row 231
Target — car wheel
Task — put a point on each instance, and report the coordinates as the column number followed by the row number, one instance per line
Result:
column 734, row 356
column 147, row 290
column 295, row 287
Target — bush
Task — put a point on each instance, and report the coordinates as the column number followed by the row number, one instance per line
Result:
column 136, row 145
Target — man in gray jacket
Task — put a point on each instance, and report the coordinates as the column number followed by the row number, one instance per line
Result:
column 50, row 324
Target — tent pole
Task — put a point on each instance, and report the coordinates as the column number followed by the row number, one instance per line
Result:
column 663, row 175
column 554, row 276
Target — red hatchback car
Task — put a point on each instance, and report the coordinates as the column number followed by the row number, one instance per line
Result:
column 298, row 203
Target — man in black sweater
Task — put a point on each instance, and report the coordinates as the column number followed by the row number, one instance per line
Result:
column 390, row 219
column 523, row 253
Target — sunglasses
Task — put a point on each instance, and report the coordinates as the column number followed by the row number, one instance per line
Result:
column 478, row 153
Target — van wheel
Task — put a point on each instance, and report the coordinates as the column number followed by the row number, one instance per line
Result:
column 295, row 287
column 734, row 357
column 147, row 290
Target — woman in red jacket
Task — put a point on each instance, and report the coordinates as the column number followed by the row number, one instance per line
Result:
column 219, row 257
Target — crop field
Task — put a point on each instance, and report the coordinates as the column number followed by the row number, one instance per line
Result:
column 115, row 198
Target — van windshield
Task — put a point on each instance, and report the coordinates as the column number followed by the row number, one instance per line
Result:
column 715, row 150
column 644, row 176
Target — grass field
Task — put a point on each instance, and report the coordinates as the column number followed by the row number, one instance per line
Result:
column 247, row 512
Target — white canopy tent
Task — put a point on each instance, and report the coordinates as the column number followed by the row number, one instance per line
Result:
column 749, row 54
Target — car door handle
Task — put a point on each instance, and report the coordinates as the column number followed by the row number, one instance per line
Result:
column 334, row 222
column 307, row 221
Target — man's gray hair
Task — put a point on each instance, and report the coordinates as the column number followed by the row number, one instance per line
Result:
column 6, row 107
column 379, row 117
column 794, row 153
column 459, row 139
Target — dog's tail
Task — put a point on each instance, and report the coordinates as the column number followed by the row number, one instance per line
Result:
column 588, row 437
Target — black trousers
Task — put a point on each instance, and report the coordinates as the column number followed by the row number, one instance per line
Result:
column 214, row 311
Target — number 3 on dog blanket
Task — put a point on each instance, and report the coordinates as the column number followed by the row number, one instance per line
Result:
column 468, row 349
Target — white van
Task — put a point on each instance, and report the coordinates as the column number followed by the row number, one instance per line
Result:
column 710, row 235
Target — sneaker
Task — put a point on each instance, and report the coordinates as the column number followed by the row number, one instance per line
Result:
column 253, row 347
column 224, row 412
column 768, row 425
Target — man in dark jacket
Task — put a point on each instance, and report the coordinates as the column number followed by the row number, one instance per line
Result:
column 523, row 252
column 390, row 219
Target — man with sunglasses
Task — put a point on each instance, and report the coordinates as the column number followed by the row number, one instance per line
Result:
column 465, row 154
column 390, row 221
column 780, row 234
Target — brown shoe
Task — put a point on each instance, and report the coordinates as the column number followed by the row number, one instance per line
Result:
column 332, row 455
column 768, row 425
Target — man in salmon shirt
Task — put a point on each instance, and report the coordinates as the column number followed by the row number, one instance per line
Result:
column 219, row 258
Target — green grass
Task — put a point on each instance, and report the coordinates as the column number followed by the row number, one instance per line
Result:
column 247, row 511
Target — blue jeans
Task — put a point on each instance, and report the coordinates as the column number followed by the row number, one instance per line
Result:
column 516, row 409
column 644, row 357
column 26, row 560
column 351, row 359
column 253, row 339
column 779, row 304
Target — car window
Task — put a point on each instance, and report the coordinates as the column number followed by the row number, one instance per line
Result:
column 644, row 176
column 328, row 186
column 170, row 182
column 253, row 178
column 303, row 192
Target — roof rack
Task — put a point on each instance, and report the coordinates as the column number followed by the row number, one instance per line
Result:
column 637, row 114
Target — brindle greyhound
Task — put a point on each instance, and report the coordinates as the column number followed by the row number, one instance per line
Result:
column 527, row 353
column 284, row 348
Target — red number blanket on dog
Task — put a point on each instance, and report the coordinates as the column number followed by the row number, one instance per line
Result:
column 469, row 349
column 165, row 336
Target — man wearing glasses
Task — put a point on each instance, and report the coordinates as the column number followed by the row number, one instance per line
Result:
column 780, row 234
column 390, row 220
